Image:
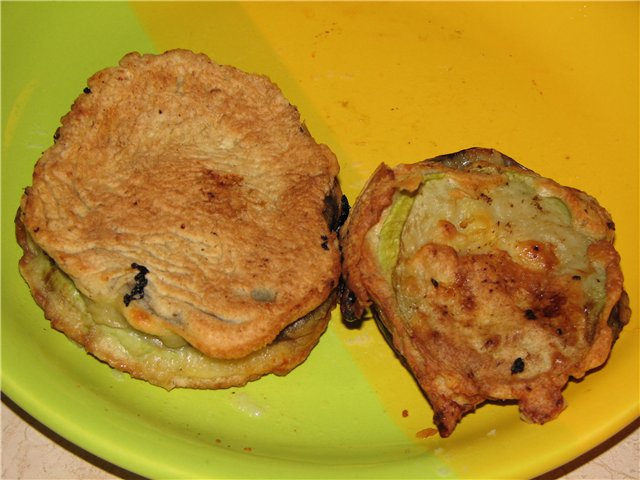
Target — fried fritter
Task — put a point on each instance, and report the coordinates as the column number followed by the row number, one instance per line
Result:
column 182, row 226
column 490, row 281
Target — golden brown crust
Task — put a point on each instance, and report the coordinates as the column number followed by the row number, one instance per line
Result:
column 482, row 310
column 199, row 185
column 145, row 357
column 375, row 197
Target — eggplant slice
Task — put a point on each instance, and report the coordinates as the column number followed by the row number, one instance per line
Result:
column 491, row 281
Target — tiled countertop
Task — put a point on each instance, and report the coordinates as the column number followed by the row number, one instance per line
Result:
column 32, row 451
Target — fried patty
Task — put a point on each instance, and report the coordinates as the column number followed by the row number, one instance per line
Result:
column 184, row 206
column 491, row 281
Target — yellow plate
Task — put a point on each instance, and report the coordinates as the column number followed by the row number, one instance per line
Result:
column 554, row 85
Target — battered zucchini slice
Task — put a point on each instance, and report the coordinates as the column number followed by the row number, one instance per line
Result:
column 490, row 281
column 163, row 360
column 183, row 225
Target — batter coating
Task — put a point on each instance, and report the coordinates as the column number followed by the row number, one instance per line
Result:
column 492, row 282
column 186, row 201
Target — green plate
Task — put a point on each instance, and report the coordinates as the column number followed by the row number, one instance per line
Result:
column 554, row 85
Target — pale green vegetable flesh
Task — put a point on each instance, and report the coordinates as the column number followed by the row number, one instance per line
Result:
column 392, row 230
column 165, row 362
column 391, row 227
column 500, row 218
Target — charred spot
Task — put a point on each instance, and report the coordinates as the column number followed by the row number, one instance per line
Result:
column 335, row 215
column 440, row 421
column 56, row 135
column 325, row 242
column 611, row 225
column 576, row 277
column 330, row 212
column 439, row 417
column 619, row 315
column 536, row 202
column 517, row 366
column 554, row 305
column 435, row 283
column 344, row 211
column 530, row 314
column 486, row 198
column 86, row 90
column 137, row 292
column 559, row 331
column 348, row 305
